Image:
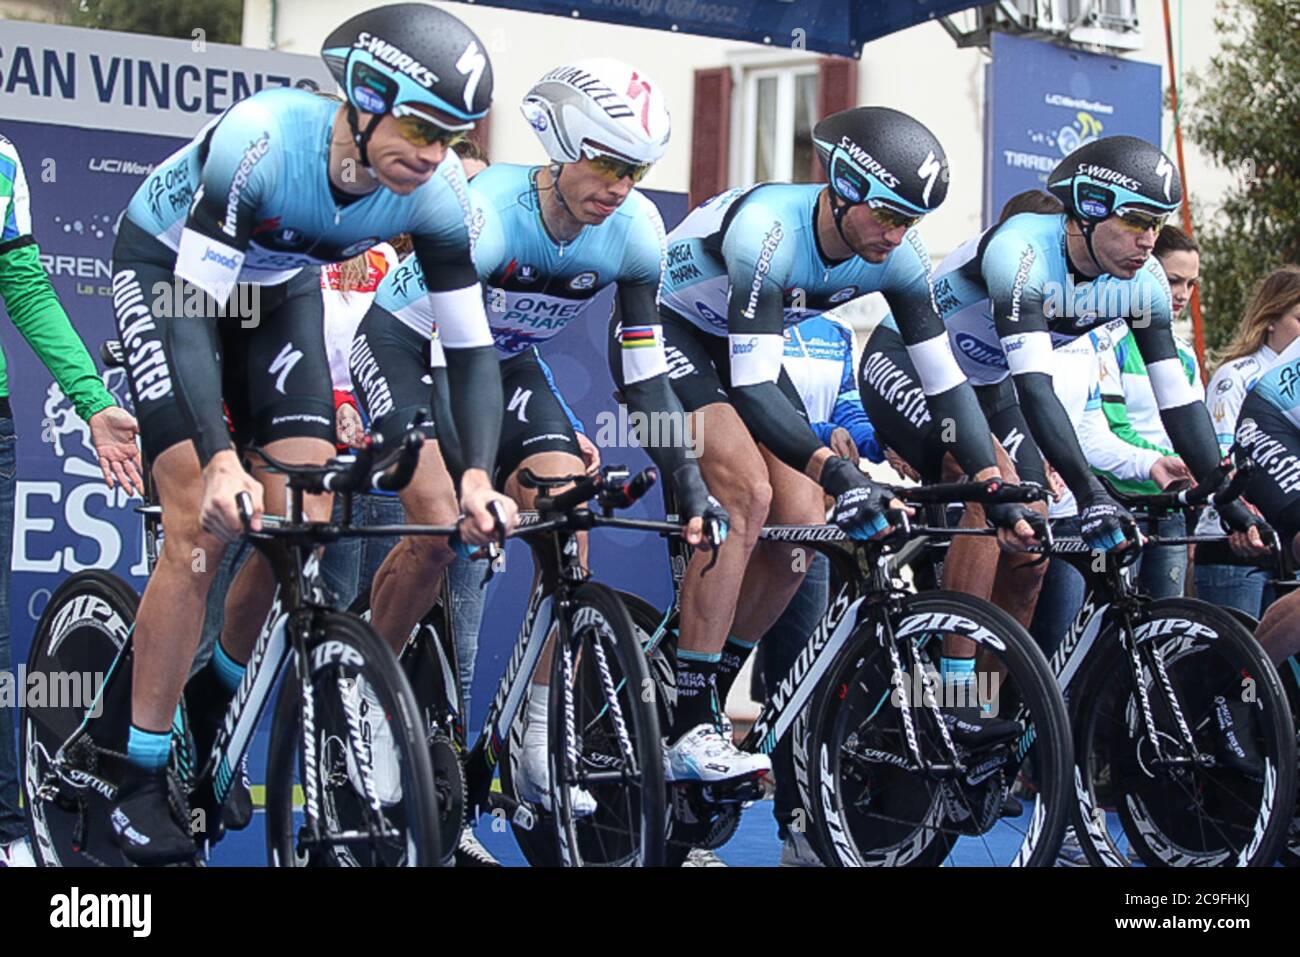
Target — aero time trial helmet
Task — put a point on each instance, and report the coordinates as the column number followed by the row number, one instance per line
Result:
column 1114, row 174
column 411, row 60
column 883, row 158
column 603, row 109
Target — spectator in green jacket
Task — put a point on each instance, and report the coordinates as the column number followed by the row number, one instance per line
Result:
column 34, row 308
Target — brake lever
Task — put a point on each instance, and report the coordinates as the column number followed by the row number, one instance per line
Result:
column 715, row 538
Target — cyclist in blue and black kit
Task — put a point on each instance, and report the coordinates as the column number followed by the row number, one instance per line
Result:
column 742, row 267
column 1051, row 278
column 547, row 240
column 217, row 299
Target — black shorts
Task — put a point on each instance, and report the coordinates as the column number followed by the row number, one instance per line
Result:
column 534, row 420
column 893, row 399
column 391, row 374
column 390, row 365
column 270, row 345
column 699, row 365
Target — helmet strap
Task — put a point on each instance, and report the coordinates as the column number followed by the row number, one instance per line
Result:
column 556, row 169
column 839, row 209
column 362, row 137
column 1087, row 229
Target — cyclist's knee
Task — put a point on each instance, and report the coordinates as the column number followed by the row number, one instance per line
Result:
column 428, row 552
column 748, row 505
column 185, row 543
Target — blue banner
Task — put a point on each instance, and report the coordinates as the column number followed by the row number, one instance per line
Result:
column 1044, row 101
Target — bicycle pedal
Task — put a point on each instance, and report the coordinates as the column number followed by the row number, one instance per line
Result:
column 738, row 791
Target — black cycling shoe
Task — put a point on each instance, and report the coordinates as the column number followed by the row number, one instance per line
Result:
column 971, row 729
column 205, row 705
column 149, row 824
column 1238, row 751
column 1011, row 806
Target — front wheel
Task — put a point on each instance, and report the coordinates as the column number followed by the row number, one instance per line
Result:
column 1199, row 765
column 1000, row 803
column 355, row 738
column 603, row 734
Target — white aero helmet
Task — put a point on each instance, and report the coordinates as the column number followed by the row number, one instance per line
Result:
column 599, row 106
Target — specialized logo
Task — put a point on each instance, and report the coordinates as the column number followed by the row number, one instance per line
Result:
column 399, row 60
column 283, row 364
column 471, row 65
column 252, row 156
column 1106, row 175
column 929, row 171
column 1011, row 444
column 868, row 163
column 519, row 403
column 614, row 104
column 1165, row 169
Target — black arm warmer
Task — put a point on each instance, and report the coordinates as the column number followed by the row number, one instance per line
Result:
column 776, row 423
column 1192, row 433
column 654, row 396
column 191, row 343
column 474, row 394
column 1054, row 433
column 972, row 443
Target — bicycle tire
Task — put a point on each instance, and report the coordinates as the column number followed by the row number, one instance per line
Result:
column 436, row 684
column 1245, row 823
column 348, row 650
column 898, row 817
column 606, row 719
column 82, row 630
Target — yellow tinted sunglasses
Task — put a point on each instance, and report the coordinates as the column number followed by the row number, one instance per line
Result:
column 1138, row 222
column 891, row 218
column 612, row 169
column 420, row 132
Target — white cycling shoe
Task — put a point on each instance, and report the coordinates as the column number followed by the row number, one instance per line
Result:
column 364, row 709
column 17, row 854
column 705, row 754
column 533, row 783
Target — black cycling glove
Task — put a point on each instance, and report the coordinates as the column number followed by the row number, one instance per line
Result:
column 860, row 504
column 1104, row 523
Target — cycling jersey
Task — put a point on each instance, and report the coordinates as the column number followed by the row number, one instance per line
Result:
column 30, row 300
column 1269, row 432
column 1224, row 396
column 819, row 360
column 747, row 263
column 250, row 200
column 536, row 285
column 1038, row 301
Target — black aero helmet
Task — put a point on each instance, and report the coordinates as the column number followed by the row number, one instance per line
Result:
column 882, row 157
column 1114, row 174
column 410, row 59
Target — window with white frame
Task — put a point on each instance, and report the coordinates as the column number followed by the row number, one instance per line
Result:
column 778, row 108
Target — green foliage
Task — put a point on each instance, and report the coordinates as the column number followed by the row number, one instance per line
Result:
column 1244, row 110
column 220, row 20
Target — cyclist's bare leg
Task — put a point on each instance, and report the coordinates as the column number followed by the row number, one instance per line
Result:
column 1279, row 630
column 776, row 569
column 170, row 617
column 253, row 588
column 545, row 464
column 406, row 584
column 736, row 475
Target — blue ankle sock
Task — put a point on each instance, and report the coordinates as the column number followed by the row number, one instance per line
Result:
column 229, row 671
column 148, row 749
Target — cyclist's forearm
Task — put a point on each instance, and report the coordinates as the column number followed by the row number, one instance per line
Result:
column 474, row 394
column 191, row 344
column 774, row 422
column 654, row 397
column 1054, row 433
